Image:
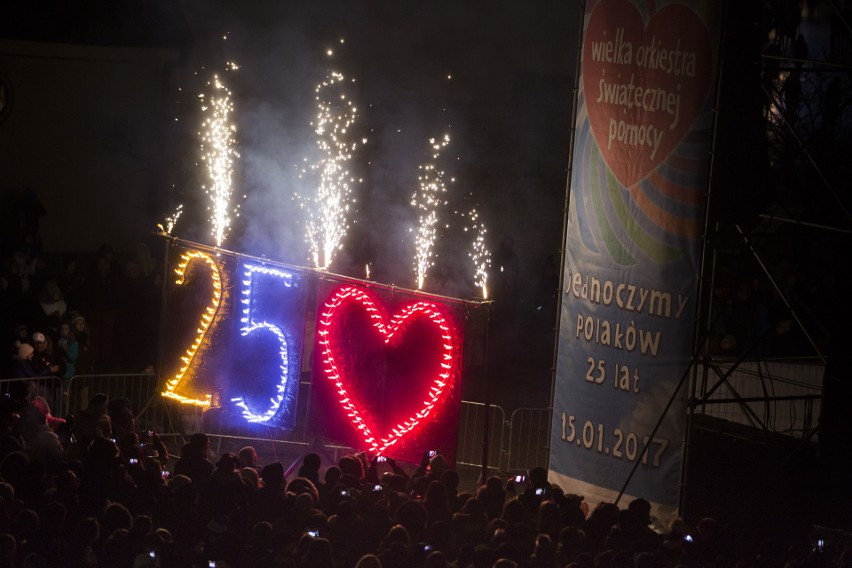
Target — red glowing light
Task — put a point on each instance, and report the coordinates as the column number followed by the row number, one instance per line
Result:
column 333, row 372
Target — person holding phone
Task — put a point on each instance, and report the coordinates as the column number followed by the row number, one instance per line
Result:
column 432, row 466
column 537, row 490
column 372, row 475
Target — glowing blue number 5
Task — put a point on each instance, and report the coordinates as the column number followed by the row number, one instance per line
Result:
column 249, row 325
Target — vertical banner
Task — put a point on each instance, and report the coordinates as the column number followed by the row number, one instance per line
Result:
column 640, row 169
column 387, row 371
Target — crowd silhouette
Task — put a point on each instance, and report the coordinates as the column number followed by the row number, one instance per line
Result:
column 77, row 321
column 91, row 490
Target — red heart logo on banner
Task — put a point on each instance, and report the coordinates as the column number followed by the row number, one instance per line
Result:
column 643, row 84
column 336, row 371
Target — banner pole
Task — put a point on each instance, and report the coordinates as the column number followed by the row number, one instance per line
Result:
column 487, row 430
column 701, row 342
column 567, row 202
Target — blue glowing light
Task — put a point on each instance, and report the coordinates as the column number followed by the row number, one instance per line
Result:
column 249, row 326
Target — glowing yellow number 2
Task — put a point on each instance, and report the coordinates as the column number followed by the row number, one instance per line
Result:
column 208, row 317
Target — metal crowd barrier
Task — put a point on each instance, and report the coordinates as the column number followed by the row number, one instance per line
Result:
column 229, row 431
column 138, row 389
column 472, row 435
column 50, row 388
column 529, row 438
column 528, row 431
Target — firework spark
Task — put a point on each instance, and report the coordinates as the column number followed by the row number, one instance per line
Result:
column 328, row 211
column 427, row 199
column 217, row 150
column 479, row 253
column 171, row 221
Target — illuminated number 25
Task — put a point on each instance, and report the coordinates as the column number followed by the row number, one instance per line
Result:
column 250, row 325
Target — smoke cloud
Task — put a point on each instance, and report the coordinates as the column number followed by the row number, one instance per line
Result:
column 421, row 70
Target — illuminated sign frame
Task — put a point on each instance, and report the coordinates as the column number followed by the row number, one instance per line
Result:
column 248, row 362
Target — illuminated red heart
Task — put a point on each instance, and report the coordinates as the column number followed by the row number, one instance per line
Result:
column 338, row 372
column 644, row 84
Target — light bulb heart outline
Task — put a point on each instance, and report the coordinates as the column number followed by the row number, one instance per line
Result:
column 336, row 375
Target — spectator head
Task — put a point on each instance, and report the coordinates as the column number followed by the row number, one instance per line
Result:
column 708, row 529
column 199, row 444
column 25, row 351
column 301, row 485
column 116, row 516
column 332, row 476
column 397, row 533
column 164, row 535
column 678, row 528
column 473, row 506
column 571, row 539
column 312, row 461
column 228, row 462
column 87, row 531
column 35, row 560
column 412, row 515
column 65, row 331
column 351, row 466
column 310, row 467
column 9, row 548
column 545, row 550
column 646, row 560
column 121, row 417
column 99, row 401
column 180, row 481
column 436, row 559
column 7, row 492
column 394, row 481
column 39, row 341
column 273, row 476
column 319, row 554
column 538, row 477
column 640, row 511
column 494, row 484
column 436, row 493
column 513, row 511
column 219, row 525
column 13, row 468
column 79, row 323
column 437, row 466
column 420, row 485
column 142, row 525
column 261, row 534
column 250, row 477
column 369, row 561
column 450, row 478
column 25, row 524
column 304, row 503
column 248, row 456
